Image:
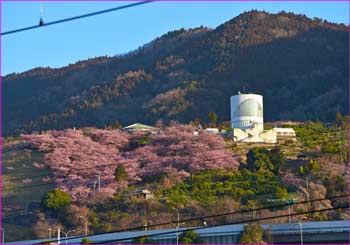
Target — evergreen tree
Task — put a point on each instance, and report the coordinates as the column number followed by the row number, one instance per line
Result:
column 212, row 118
column 339, row 119
column 120, row 175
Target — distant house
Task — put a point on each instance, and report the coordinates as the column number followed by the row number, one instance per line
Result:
column 216, row 131
column 212, row 130
column 141, row 127
column 144, row 194
column 284, row 133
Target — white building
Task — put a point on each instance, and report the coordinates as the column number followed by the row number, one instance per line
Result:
column 284, row 133
column 247, row 120
column 247, row 111
column 212, row 130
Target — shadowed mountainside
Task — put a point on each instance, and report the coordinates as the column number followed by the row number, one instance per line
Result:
column 299, row 65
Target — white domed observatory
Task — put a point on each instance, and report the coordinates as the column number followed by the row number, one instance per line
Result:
column 247, row 111
column 247, row 119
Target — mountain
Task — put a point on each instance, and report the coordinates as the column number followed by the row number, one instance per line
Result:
column 300, row 66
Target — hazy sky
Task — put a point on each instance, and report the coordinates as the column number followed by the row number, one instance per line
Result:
column 121, row 31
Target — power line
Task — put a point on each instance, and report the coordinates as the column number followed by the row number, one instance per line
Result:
column 232, row 223
column 219, row 215
column 206, row 227
column 75, row 17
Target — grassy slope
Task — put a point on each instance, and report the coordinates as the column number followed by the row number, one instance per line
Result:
column 16, row 167
column 17, row 195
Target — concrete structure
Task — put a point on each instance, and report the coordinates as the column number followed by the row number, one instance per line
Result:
column 254, row 135
column 310, row 232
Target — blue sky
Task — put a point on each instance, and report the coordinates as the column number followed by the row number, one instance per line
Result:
column 121, row 31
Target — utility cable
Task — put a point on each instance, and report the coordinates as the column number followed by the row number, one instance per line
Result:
column 42, row 24
column 222, row 214
column 232, row 223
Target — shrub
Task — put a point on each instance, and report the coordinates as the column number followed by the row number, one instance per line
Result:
column 288, row 142
column 313, row 165
column 190, row 237
column 86, row 241
column 143, row 240
column 260, row 158
column 252, row 234
column 56, row 199
column 330, row 148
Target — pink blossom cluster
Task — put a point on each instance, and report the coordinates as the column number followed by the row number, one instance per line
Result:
column 77, row 158
column 178, row 152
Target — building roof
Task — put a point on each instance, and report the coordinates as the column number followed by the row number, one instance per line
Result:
column 212, row 130
column 144, row 191
column 139, row 126
column 290, row 130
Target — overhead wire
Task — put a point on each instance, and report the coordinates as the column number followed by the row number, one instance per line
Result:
column 74, row 18
column 284, row 204
column 231, row 223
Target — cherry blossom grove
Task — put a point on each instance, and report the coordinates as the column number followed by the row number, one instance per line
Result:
column 77, row 157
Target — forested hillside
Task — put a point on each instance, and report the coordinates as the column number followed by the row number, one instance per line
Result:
column 299, row 65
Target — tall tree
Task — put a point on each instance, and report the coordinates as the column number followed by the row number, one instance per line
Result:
column 339, row 119
column 258, row 159
column 277, row 158
column 212, row 118
column 120, row 175
column 116, row 125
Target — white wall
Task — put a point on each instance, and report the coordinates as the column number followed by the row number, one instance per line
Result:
column 249, row 112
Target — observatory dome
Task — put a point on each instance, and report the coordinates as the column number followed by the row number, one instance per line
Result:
column 247, row 111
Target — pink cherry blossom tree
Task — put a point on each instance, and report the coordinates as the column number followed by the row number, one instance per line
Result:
column 76, row 158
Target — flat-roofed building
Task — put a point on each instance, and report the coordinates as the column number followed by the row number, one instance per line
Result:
column 285, row 133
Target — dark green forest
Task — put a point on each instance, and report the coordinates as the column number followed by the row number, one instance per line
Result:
column 299, row 65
